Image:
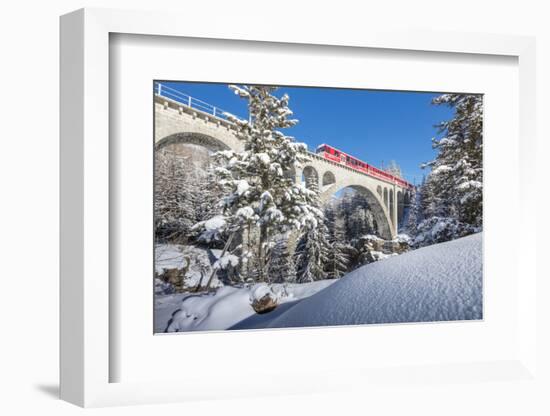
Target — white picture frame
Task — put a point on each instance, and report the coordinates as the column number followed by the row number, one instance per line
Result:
column 86, row 355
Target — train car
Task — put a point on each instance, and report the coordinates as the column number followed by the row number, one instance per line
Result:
column 337, row 156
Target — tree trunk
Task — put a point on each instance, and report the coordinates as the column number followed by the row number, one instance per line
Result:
column 261, row 253
column 215, row 268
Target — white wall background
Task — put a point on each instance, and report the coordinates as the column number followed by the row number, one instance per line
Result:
column 29, row 205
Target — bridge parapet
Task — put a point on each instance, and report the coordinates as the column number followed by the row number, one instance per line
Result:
column 176, row 122
column 195, row 113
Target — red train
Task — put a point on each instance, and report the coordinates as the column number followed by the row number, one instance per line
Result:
column 335, row 155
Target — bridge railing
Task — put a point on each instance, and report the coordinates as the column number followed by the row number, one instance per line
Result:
column 163, row 90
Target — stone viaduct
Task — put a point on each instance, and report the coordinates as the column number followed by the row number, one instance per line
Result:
column 177, row 121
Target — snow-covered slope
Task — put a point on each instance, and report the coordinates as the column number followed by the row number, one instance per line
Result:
column 437, row 283
column 226, row 307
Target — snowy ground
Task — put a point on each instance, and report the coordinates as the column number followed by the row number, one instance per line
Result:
column 225, row 308
column 442, row 282
column 436, row 283
column 174, row 256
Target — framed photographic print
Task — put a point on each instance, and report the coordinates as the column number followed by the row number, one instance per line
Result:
column 251, row 223
column 232, row 203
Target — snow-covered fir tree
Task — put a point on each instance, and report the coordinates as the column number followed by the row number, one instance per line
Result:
column 360, row 217
column 352, row 227
column 281, row 262
column 413, row 214
column 453, row 191
column 457, row 171
column 430, row 204
column 345, row 208
column 175, row 194
column 208, row 195
column 186, row 191
column 357, row 217
column 261, row 199
column 311, row 255
column 313, row 247
column 338, row 259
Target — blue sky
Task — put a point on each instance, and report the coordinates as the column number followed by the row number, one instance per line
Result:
column 374, row 126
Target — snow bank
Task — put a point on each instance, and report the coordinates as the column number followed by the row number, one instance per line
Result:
column 440, row 229
column 165, row 305
column 442, row 282
column 176, row 256
column 168, row 256
column 226, row 307
column 438, row 283
column 213, row 311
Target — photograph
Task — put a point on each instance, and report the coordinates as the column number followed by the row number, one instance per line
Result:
column 283, row 206
column 338, row 208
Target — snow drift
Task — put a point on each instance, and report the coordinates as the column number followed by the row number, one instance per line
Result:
column 437, row 283
column 227, row 307
column 442, row 282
